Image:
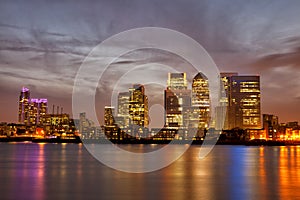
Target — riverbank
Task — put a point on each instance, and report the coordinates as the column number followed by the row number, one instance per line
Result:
column 77, row 139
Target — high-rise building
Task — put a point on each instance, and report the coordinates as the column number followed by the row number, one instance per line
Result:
column 270, row 125
column 31, row 110
column 225, row 98
column 109, row 113
column 110, row 127
column 201, row 100
column 87, row 128
column 37, row 109
column 177, row 81
column 122, row 119
column 177, row 100
column 123, row 103
column 24, row 101
column 243, row 97
column 138, row 106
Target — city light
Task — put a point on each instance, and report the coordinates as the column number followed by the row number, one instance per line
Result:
column 185, row 109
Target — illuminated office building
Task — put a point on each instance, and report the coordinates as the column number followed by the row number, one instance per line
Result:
column 243, row 97
column 270, row 125
column 31, row 110
column 122, row 119
column 123, row 103
column 57, row 124
column 87, row 128
column 37, row 109
column 109, row 113
column 111, row 129
column 177, row 81
column 201, row 100
column 177, row 100
column 138, row 106
column 24, row 101
column 226, row 81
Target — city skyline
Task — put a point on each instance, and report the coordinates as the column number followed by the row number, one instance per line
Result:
column 191, row 107
column 33, row 104
column 43, row 49
column 248, row 87
column 188, row 114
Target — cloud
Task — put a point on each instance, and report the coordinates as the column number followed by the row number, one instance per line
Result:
column 290, row 56
column 43, row 43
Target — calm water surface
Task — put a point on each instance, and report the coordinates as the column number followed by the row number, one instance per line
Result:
column 68, row 171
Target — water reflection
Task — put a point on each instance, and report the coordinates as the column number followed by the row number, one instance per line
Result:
column 26, row 169
column 64, row 171
column 289, row 172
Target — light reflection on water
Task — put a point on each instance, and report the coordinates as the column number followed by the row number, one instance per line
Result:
column 67, row 171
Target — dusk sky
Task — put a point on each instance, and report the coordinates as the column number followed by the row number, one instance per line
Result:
column 43, row 43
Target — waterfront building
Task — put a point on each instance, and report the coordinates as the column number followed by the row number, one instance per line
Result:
column 201, row 100
column 31, row 110
column 57, row 125
column 110, row 127
column 293, row 125
column 177, row 81
column 177, row 100
column 243, row 97
column 13, row 129
column 37, row 109
column 138, row 106
column 270, row 125
column 24, row 104
column 87, row 128
column 122, row 118
column 3, row 129
column 109, row 113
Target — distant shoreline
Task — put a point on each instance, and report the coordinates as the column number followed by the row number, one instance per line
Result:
column 144, row 141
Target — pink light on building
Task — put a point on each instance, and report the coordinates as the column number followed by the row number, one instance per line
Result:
column 24, row 89
column 38, row 100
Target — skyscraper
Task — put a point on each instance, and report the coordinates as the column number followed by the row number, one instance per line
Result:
column 177, row 100
column 24, row 101
column 243, row 97
column 122, row 118
column 37, row 109
column 138, row 106
column 109, row 113
column 110, row 126
column 31, row 110
column 201, row 100
column 177, row 81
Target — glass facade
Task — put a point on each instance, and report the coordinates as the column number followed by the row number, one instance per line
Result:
column 177, row 81
column 138, row 106
column 201, row 100
column 177, row 100
column 24, row 101
column 37, row 109
column 109, row 113
column 243, row 97
column 122, row 118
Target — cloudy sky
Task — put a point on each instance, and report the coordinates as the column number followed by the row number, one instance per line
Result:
column 43, row 43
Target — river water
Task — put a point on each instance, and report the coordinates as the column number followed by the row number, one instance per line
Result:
column 68, row 171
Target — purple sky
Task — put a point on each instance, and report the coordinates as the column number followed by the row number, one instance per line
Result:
column 43, row 43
